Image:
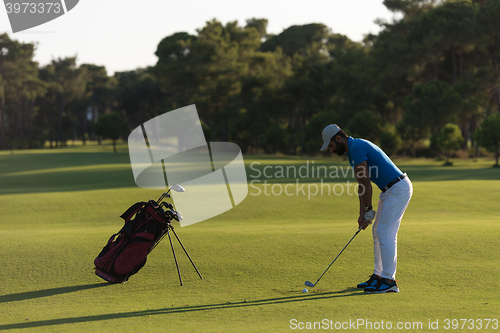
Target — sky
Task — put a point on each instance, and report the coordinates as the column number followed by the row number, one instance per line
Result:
column 123, row 35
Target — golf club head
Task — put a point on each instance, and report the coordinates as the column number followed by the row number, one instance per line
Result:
column 309, row 284
column 164, row 195
column 177, row 188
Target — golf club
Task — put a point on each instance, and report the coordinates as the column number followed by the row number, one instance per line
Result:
column 309, row 284
column 175, row 187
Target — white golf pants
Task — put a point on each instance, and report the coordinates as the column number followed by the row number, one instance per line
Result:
column 391, row 207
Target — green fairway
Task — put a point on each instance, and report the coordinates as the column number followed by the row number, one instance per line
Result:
column 59, row 207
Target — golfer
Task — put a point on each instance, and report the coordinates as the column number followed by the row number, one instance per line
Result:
column 370, row 163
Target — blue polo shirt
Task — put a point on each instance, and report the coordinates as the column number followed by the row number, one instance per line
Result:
column 381, row 170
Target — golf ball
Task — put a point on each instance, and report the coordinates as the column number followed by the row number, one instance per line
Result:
column 304, row 290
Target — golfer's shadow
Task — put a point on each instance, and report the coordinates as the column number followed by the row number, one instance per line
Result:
column 165, row 311
column 311, row 296
column 48, row 292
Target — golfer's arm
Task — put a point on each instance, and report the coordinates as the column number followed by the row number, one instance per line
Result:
column 365, row 186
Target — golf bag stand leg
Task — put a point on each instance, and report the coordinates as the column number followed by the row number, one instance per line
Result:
column 192, row 263
column 170, row 228
column 175, row 258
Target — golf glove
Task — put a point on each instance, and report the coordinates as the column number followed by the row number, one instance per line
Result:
column 370, row 215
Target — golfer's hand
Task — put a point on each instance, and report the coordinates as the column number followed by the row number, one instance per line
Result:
column 362, row 223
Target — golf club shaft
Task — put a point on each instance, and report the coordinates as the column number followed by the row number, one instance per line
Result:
column 357, row 232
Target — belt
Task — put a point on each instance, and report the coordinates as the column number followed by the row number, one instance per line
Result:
column 391, row 184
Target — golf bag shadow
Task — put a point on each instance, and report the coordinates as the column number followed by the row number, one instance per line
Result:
column 146, row 223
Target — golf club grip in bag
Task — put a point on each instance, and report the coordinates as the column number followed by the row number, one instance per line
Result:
column 126, row 251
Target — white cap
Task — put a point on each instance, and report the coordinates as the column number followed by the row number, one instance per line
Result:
column 327, row 134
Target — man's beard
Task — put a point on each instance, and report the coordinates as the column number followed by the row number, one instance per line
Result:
column 340, row 149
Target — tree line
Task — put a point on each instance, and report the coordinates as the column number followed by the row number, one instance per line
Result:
column 436, row 67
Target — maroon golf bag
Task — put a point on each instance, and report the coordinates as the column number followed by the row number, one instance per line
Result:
column 126, row 251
